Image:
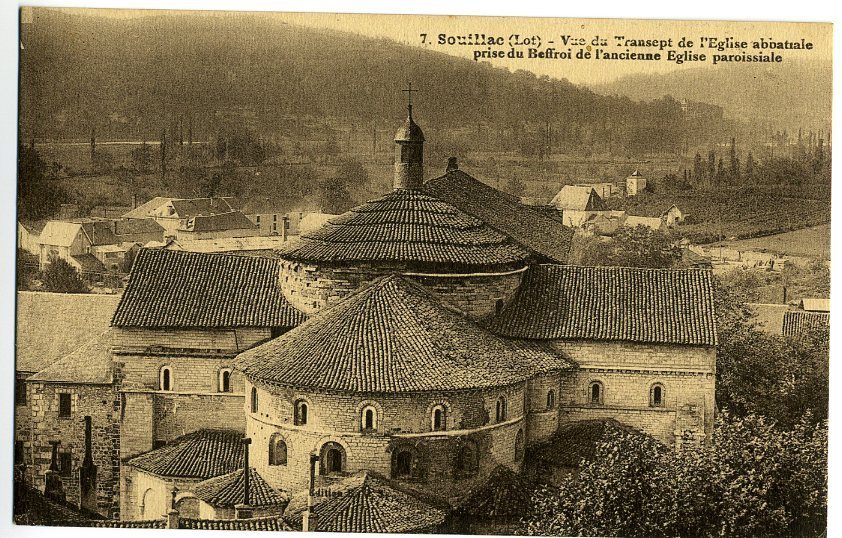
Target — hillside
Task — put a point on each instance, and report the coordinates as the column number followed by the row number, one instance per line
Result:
column 792, row 94
column 132, row 78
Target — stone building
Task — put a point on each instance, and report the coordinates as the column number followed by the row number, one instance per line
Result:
column 635, row 184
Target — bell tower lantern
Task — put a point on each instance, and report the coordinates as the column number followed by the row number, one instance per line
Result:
column 409, row 153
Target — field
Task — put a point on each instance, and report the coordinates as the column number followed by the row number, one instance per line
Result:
column 808, row 242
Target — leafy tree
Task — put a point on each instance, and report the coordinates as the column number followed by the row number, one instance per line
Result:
column 26, row 269
column 142, row 158
column 38, row 197
column 59, row 276
column 749, row 173
column 630, row 247
column 744, row 484
column 335, row 197
column 698, row 169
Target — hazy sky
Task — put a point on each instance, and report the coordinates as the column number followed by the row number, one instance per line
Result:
column 407, row 29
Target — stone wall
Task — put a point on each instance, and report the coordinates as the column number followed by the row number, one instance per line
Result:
column 403, row 420
column 101, row 403
column 309, row 288
column 145, row 496
column 627, row 373
column 215, row 340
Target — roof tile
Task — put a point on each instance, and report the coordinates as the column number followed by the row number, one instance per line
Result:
column 200, row 454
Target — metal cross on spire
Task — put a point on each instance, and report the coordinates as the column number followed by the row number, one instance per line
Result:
column 409, row 95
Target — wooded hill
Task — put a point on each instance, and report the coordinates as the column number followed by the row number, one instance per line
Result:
column 132, row 78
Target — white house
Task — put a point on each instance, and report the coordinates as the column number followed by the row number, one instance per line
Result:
column 635, row 184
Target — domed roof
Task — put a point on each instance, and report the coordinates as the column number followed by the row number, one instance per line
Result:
column 394, row 336
column 409, row 131
column 407, row 226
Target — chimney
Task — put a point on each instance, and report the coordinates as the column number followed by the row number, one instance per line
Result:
column 134, row 201
column 452, row 164
column 284, row 228
column 172, row 514
column 245, row 510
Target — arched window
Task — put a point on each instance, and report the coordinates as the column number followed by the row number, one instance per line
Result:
column 254, row 407
column 551, row 399
column 502, row 412
column 368, row 418
column 225, row 380
column 302, row 412
column 467, row 460
column 332, row 459
column 165, row 379
column 656, row 395
column 596, row 394
column 438, row 420
column 519, row 446
column 277, row 450
column 405, row 462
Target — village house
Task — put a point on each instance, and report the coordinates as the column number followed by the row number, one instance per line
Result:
column 29, row 236
column 415, row 343
column 217, row 226
column 653, row 223
column 579, row 203
column 635, row 184
column 170, row 212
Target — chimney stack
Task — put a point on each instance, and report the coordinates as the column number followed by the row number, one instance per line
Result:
column 452, row 164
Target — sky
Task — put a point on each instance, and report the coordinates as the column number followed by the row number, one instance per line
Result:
column 407, row 29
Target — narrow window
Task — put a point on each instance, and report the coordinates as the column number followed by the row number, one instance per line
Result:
column 64, row 404
column 551, row 399
column 596, row 393
column 254, row 399
column 439, row 420
column 501, row 409
column 65, row 463
column 368, row 418
column 277, row 450
column 302, row 411
column 656, row 395
column 519, row 446
column 166, row 378
column 225, row 380
column 467, row 461
column 18, row 452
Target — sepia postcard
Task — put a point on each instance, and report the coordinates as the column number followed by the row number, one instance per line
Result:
column 422, row 274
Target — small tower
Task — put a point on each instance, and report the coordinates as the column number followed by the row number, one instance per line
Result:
column 409, row 157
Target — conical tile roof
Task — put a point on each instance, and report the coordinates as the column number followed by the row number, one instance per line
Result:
column 394, row 336
column 407, row 226
column 228, row 490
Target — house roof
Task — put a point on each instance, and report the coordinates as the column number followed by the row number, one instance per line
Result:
column 503, row 494
column 580, row 198
column 232, row 220
column 33, row 227
column 228, row 490
column 49, row 325
column 394, row 336
column 406, row 226
column 189, row 289
column 573, row 443
column 60, row 234
column 192, row 207
column 797, row 323
column 313, row 221
column 542, row 234
column 88, row 263
column 200, row 454
column 89, row 364
column 143, row 211
column 672, row 306
column 815, row 304
column 366, row 502
column 265, row 243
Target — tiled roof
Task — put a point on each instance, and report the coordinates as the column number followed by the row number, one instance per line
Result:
column 673, row 306
column 797, row 323
column 394, row 336
column 272, row 523
column 90, row 364
column 112, row 524
column 89, row 263
column 545, row 236
column 200, row 454
column 144, row 210
column 191, row 207
column 232, row 220
column 574, row 442
column 58, row 233
column 262, row 243
column 49, row 325
column 189, row 289
column 579, row 198
column 229, row 490
column 367, row 502
column 406, row 226
column 503, row 494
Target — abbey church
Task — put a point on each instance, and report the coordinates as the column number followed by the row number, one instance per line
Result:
column 415, row 343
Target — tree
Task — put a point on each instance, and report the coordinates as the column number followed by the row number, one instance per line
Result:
column 698, row 169
column 26, row 269
column 59, row 276
column 749, row 173
column 142, row 158
column 755, row 480
column 629, row 247
column 38, row 197
column 334, row 195
column 711, row 174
